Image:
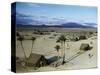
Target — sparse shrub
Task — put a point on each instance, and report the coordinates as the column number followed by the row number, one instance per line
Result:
column 55, row 35
column 17, row 58
column 18, row 34
column 82, row 37
column 38, row 32
column 90, row 33
column 52, row 31
column 91, row 42
column 41, row 33
column 51, row 37
column 74, row 39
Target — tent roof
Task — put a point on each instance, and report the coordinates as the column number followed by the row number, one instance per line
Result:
column 34, row 58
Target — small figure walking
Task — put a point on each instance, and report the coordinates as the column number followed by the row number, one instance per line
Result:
column 90, row 55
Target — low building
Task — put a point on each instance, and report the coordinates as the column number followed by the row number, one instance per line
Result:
column 85, row 47
column 55, row 61
column 36, row 60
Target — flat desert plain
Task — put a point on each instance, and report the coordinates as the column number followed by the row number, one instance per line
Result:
column 45, row 42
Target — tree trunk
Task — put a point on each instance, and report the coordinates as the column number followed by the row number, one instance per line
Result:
column 61, row 48
column 32, row 47
column 58, row 55
column 23, row 49
column 64, row 54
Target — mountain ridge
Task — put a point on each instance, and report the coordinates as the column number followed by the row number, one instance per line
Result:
column 65, row 25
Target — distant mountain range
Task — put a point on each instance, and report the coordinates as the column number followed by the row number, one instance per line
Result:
column 75, row 25
column 31, row 21
column 66, row 25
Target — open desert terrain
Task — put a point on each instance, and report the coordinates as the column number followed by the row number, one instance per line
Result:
column 45, row 43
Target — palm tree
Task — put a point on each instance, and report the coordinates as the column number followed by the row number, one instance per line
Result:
column 33, row 39
column 57, row 47
column 62, row 40
column 21, row 38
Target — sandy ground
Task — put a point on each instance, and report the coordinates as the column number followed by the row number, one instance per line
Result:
column 45, row 46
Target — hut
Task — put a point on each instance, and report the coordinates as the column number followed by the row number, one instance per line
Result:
column 85, row 47
column 36, row 60
column 55, row 61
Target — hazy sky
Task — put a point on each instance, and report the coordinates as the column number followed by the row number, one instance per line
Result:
column 54, row 11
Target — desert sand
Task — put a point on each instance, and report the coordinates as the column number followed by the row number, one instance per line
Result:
column 44, row 44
